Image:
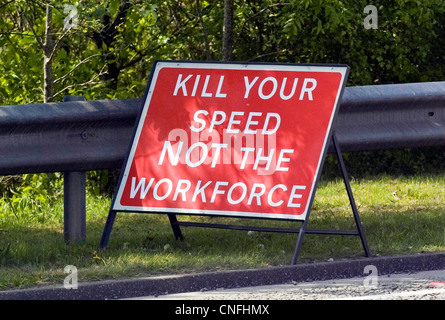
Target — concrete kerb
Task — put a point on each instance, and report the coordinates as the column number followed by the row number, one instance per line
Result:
column 153, row 286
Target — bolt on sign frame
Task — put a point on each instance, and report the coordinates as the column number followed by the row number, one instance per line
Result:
column 245, row 140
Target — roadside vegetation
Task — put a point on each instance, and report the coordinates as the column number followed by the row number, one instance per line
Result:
column 400, row 215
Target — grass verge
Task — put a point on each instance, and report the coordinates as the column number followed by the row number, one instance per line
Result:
column 401, row 215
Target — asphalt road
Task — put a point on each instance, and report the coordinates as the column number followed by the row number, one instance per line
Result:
column 427, row 285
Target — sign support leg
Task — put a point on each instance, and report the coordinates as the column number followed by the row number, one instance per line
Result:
column 299, row 241
column 358, row 223
column 175, row 226
column 107, row 229
column 350, row 195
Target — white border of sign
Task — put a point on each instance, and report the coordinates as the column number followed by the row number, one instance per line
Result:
column 159, row 65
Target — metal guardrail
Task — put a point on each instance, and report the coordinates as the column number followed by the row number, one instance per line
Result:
column 78, row 136
column 92, row 135
column 66, row 136
column 392, row 116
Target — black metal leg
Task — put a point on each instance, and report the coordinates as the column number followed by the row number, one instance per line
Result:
column 350, row 195
column 299, row 242
column 175, row 226
column 107, row 229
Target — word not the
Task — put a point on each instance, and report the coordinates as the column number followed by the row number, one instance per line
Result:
column 199, row 153
column 265, row 88
column 219, row 147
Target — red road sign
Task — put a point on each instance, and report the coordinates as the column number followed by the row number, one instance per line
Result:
column 234, row 139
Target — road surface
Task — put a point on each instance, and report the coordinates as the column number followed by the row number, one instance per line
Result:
column 427, row 285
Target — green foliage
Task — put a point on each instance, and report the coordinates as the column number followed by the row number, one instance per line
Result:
column 102, row 182
column 109, row 54
column 30, row 197
column 406, row 47
column 402, row 162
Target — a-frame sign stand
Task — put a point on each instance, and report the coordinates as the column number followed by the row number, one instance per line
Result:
column 358, row 232
column 194, row 100
column 175, row 224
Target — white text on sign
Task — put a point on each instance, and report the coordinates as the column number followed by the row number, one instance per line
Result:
column 164, row 188
column 266, row 88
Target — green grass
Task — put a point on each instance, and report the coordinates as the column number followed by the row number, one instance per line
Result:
column 400, row 216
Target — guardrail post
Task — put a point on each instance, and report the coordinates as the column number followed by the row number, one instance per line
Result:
column 74, row 200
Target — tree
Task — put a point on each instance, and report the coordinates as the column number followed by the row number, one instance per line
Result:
column 27, row 21
column 227, row 46
column 110, row 53
column 105, row 42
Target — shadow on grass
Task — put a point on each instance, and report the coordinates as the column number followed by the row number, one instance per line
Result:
column 143, row 245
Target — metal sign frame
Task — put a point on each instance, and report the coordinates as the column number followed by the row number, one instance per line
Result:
column 175, row 224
